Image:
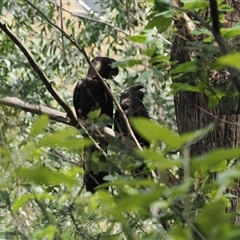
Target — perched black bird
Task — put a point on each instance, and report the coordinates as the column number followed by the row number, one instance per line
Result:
column 89, row 95
column 132, row 105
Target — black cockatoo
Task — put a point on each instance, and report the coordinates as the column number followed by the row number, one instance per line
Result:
column 89, row 95
column 132, row 105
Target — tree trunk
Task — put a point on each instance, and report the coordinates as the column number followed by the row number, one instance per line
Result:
column 192, row 111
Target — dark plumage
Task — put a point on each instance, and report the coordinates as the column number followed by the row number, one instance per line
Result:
column 89, row 95
column 132, row 105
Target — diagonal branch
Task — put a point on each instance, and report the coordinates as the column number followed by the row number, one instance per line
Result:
column 40, row 73
column 89, row 62
column 48, row 85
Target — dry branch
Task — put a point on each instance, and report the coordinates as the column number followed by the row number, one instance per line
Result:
column 59, row 117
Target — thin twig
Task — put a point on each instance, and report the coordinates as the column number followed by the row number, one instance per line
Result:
column 90, row 137
column 71, row 206
column 61, row 21
column 190, row 224
column 83, row 234
column 82, row 50
column 63, row 157
column 217, row 118
column 75, row 14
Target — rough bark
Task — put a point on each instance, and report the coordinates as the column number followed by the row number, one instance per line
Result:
column 192, row 111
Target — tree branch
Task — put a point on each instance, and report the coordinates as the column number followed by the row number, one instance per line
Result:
column 75, row 14
column 48, row 85
column 40, row 73
column 59, row 117
column 63, row 118
column 82, row 50
column 36, row 109
column 217, row 117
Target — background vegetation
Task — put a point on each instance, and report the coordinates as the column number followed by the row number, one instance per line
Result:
column 189, row 68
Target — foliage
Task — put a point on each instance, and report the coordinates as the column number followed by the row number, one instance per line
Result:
column 42, row 191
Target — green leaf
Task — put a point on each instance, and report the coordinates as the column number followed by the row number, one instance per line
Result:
column 43, row 175
column 177, row 87
column 138, row 38
column 67, row 138
column 230, row 32
column 47, row 233
column 30, row 150
column 180, row 233
column 1, row 6
column 158, row 74
column 190, row 137
column 225, row 8
column 231, row 59
column 129, row 182
column 20, row 201
column 214, row 99
column 159, row 161
column 225, row 178
column 94, row 114
column 127, row 63
column 185, row 67
column 101, row 198
column 200, row 31
column 136, row 201
column 195, row 5
column 28, row 197
column 162, row 5
column 160, row 22
column 39, row 125
column 153, row 132
column 167, row 14
column 144, row 75
column 214, row 227
column 210, row 160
